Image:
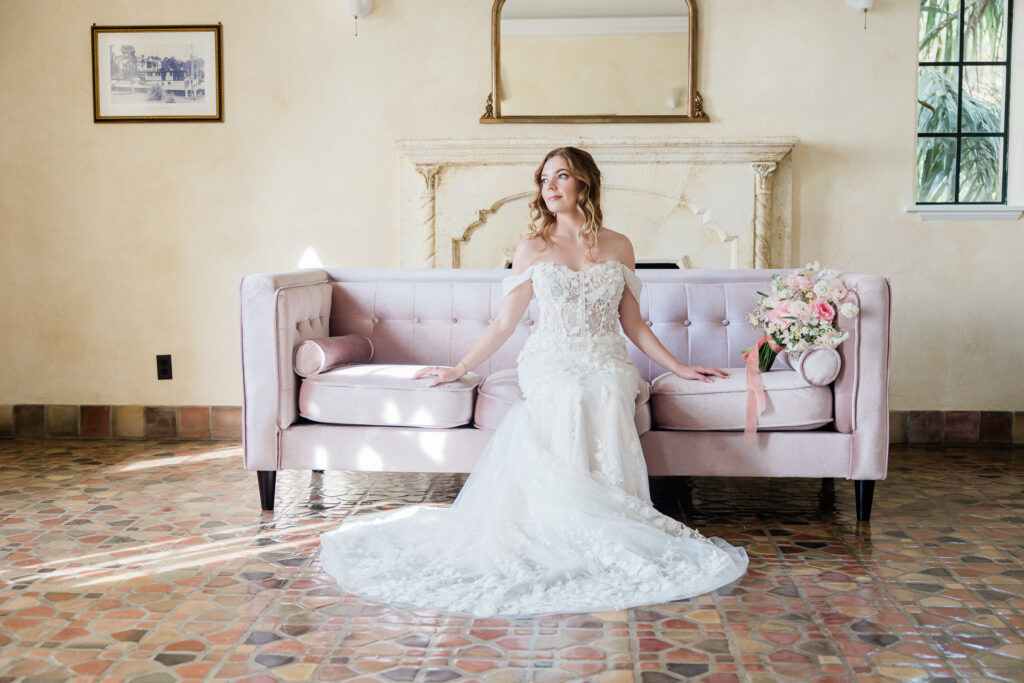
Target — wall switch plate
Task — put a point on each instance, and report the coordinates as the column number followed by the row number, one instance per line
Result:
column 163, row 366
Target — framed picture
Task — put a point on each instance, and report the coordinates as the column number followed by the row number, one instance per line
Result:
column 157, row 73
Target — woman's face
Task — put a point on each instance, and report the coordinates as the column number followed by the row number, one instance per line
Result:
column 557, row 186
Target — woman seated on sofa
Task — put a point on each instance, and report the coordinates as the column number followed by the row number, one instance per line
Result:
column 557, row 516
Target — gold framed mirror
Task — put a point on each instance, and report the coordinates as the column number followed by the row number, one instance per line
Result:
column 638, row 65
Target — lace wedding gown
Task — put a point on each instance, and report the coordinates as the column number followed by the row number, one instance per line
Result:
column 556, row 516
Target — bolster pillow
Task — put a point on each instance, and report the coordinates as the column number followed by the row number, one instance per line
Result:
column 818, row 366
column 314, row 356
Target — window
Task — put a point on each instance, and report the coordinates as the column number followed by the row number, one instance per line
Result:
column 963, row 101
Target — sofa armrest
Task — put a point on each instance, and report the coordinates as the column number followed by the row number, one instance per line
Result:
column 278, row 311
column 862, row 388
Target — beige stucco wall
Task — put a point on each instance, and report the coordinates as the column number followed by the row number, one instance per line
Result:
column 119, row 242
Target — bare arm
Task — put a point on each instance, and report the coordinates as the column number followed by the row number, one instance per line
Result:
column 640, row 334
column 513, row 306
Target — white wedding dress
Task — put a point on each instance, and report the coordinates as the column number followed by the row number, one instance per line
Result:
column 557, row 516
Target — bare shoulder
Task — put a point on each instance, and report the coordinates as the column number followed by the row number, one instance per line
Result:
column 615, row 246
column 526, row 251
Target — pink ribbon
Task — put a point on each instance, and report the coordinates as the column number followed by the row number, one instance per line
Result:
column 756, row 400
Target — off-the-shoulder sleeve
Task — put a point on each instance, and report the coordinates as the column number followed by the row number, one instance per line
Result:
column 632, row 281
column 512, row 281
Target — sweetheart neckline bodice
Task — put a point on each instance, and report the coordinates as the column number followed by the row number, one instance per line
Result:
column 574, row 270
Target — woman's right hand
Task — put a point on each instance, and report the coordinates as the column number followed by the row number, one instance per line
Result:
column 441, row 373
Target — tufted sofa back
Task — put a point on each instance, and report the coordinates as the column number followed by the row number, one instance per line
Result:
column 435, row 316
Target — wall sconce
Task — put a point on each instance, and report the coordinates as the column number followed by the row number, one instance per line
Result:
column 863, row 5
column 359, row 8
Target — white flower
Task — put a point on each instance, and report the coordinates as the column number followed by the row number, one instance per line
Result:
column 849, row 310
column 822, row 288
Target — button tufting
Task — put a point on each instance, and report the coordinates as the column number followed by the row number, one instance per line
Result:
column 376, row 320
column 725, row 322
column 650, row 323
column 686, row 323
column 529, row 322
column 415, row 320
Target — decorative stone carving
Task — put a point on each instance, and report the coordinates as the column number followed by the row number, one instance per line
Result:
column 762, row 213
column 687, row 201
column 427, row 214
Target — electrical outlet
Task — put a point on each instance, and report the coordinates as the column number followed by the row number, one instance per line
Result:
column 163, row 366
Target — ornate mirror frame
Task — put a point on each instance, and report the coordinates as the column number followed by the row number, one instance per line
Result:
column 694, row 101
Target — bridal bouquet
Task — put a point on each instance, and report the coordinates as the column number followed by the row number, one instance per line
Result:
column 799, row 313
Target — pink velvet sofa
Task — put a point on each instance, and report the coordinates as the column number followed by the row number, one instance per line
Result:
column 388, row 422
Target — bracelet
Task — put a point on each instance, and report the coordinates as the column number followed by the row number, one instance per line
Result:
column 462, row 364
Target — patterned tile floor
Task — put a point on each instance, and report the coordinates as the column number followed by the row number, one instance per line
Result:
column 149, row 561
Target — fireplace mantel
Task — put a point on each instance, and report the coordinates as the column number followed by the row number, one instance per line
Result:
column 698, row 202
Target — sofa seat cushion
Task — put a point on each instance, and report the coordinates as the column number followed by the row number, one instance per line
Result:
column 380, row 394
column 500, row 391
column 720, row 405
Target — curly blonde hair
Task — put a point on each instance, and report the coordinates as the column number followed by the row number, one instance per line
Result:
column 583, row 168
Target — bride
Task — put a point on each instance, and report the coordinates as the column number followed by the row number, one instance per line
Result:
column 556, row 517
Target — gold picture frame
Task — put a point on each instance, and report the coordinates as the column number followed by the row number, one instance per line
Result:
column 693, row 104
column 157, row 74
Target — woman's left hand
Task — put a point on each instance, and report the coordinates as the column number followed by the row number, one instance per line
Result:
column 701, row 372
column 443, row 374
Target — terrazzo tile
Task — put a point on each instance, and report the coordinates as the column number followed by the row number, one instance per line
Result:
column 149, row 560
column 29, row 420
column 95, row 421
column 924, row 426
column 226, row 422
column 897, row 426
column 6, row 420
column 194, row 422
column 129, row 421
column 61, row 420
column 160, row 422
column 960, row 426
column 995, row 427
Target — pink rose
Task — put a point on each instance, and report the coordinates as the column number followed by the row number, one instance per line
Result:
column 801, row 311
column 823, row 311
column 799, row 282
column 776, row 315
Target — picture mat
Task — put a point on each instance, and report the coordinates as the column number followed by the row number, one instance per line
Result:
column 162, row 44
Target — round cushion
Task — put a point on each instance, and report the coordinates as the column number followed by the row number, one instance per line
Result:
column 314, row 356
column 819, row 366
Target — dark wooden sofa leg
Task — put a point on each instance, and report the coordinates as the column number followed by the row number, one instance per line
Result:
column 865, row 489
column 268, row 479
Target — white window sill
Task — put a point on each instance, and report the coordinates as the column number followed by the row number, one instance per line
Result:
column 978, row 212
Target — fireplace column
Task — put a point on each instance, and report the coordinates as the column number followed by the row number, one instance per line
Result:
column 428, row 215
column 764, row 173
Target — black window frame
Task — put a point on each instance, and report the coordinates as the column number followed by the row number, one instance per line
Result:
column 959, row 135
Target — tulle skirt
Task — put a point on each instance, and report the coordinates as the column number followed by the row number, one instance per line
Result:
column 555, row 517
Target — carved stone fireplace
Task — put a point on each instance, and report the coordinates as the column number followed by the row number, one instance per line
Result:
column 698, row 203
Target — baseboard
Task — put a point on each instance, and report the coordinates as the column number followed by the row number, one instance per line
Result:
column 954, row 427
column 121, row 422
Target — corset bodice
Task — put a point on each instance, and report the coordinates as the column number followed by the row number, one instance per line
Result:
column 577, row 303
